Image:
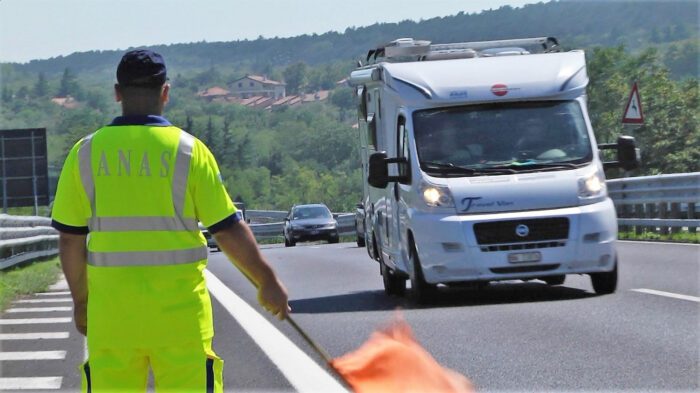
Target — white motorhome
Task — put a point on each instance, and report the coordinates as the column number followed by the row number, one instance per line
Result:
column 480, row 164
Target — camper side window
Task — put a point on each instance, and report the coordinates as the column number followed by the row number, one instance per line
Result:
column 372, row 130
column 402, row 147
column 362, row 103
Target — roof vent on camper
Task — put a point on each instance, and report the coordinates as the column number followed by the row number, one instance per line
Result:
column 510, row 51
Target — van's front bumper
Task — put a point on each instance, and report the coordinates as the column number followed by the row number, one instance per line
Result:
column 450, row 251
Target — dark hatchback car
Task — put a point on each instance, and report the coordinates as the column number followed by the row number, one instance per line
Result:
column 310, row 222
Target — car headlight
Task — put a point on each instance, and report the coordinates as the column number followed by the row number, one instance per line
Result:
column 329, row 226
column 592, row 188
column 436, row 196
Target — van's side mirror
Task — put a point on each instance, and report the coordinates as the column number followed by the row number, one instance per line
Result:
column 378, row 170
column 627, row 153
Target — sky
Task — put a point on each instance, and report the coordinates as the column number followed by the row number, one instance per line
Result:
column 41, row 29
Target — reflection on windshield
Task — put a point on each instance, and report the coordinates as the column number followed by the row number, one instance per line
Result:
column 310, row 212
column 513, row 137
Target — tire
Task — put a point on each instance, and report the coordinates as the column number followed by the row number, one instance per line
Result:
column 360, row 241
column 421, row 291
column 554, row 280
column 334, row 239
column 393, row 283
column 605, row 283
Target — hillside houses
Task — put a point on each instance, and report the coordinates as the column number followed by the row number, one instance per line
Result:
column 257, row 91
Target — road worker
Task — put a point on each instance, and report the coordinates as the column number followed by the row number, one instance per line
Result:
column 138, row 187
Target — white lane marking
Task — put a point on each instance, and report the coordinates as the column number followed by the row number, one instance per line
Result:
column 667, row 294
column 60, row 293
column 34, row 321
column 302, row 372
column 33, row 355
column 51, row 300
column 30, row 383
column 34, row 336
column 38, row 309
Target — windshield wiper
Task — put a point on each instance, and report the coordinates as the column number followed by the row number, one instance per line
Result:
column 445, row 167
column 452, row 168
column 534, row 167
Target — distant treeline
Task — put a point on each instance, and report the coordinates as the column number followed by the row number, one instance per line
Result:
column 577, row 23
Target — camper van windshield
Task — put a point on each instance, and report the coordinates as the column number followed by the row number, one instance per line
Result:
column 502, row 138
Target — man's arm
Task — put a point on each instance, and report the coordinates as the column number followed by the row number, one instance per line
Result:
column 73, row 255
column 239, row 244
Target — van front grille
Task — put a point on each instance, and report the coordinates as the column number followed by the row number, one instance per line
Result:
column 532, row 231
column 522, row 246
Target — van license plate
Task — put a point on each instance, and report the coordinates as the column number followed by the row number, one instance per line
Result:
column 521, row 257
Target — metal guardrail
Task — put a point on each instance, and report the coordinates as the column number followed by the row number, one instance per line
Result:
column 663, row 203
column 660, row 203
column 25, row 238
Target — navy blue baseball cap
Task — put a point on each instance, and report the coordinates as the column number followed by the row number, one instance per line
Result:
column 141, row 68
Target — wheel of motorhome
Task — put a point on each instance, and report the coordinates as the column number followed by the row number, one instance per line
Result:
column 421, row 291
column 605, row 283
column 360, row 241
column 554, row 280
column 393, row 283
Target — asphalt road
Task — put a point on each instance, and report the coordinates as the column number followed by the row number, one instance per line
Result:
column 510, row 336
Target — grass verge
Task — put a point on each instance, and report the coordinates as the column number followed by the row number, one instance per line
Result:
column 27, row 279
column 680, row 237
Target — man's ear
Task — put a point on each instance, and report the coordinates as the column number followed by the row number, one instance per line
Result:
column 165, row 93
column 117, row 93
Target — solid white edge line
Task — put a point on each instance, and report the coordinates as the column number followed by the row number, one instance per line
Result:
column 50, row 300
column 34, row 336
column 38, row 309
column 30, row 383
column 34, row 321
column 33, row 355
column 300, row 370
column 667, row 294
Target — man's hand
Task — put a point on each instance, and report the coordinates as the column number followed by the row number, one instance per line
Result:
column 80, row 316
column 273, row 298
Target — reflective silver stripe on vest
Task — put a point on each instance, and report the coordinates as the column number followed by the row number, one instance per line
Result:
column 126, row 224
column 147, row 258
column 182, row 171
column 85, row 166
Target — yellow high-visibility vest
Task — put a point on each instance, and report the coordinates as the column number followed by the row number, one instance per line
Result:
column 139, row 187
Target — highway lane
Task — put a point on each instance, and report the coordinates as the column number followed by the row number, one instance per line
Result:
column 510, row 336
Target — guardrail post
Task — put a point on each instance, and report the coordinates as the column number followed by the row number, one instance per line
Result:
column 675, row 214
column 623, row 213
column 651, row 213
column 663, row 214
column 691, row 216
column 639, row 212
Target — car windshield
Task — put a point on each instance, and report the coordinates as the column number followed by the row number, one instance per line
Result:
column 503, row 138
column 311, row 212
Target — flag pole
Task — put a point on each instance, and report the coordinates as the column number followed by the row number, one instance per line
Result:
column 318, row 349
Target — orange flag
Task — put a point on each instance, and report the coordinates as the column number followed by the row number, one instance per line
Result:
column 391, row 361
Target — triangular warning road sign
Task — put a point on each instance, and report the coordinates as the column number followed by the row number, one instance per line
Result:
column 633, row 110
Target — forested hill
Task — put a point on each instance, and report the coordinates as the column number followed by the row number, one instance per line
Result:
column 577, row 24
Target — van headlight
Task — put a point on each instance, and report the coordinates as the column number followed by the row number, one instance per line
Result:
column 436, row 196
column 592, row 188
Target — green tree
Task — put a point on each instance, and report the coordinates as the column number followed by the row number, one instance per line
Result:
column 295, row 77
column 69, row 84
column 41, row 88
